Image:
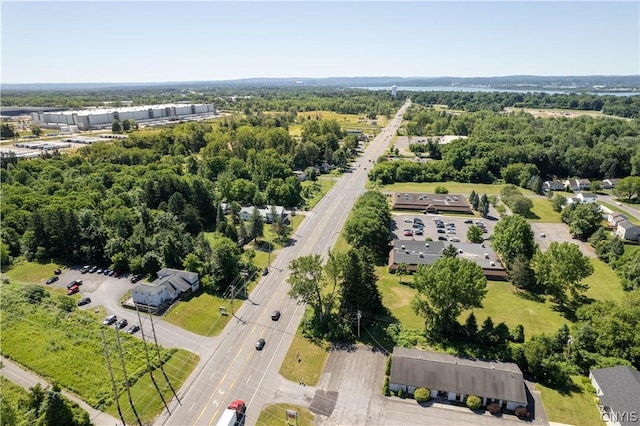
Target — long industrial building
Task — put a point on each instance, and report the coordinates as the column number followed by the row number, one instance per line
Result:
column 103, row 117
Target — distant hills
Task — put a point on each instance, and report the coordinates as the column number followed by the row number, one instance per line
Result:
column 518, row 82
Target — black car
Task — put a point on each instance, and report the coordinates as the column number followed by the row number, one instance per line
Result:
column 110, row 320
column 122, row 324
column 441, row 238
column 260, row 344
column 468, row 221
column 93, row 269
column 57, row 271
column 133, row 329
column 265, row 271
column 136, row 278
column 52, row 279
column 275, row 315
column 84, row 301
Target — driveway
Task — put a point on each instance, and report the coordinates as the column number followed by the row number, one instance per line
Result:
column 558, row 232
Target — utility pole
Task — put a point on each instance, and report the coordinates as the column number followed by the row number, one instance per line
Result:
column 126, row 378
column 113, row 382
column 359, row 316
column 155, row 339
column 146, row 353
column 232, row 295
column 244, row 275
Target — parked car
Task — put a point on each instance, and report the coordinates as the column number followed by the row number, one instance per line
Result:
column 73, row 290
column 441, row 231
column 418, row 225
column 133, row 329
column 57, row 271
column 417, row 220
column 408, row 233
column 85, row 269
column 468, row 221
column 107, row 271
column 418, row 232
column 84, row 301
column 275, row 315
column 122, row 324
column 454, row 239
column 99, row 271
column 53, row 279
column 110, row 320
column 136, row 278
column 76, row 283
column 265, row 271
column 93, row 269
column 260, row 344
column 117, row 273
column 442, row 238
column 407, row 220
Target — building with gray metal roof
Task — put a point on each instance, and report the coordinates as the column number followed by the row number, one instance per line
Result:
column 455, row 378
column 619, row 391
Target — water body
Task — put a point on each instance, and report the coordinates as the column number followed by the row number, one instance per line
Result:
column 487, row 89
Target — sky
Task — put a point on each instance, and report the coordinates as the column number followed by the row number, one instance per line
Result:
column 159, row 41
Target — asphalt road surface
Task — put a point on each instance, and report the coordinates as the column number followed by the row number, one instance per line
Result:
column 235, row 369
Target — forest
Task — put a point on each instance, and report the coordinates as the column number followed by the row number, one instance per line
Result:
column 552, row 148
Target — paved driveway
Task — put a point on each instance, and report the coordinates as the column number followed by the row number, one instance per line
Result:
column 557, row 232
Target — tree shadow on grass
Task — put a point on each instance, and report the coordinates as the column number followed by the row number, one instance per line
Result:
column 569, row 309
column 532, row 216
column 533, row 297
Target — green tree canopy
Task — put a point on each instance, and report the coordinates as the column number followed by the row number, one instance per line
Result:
column 445, row 289
column 513, row 237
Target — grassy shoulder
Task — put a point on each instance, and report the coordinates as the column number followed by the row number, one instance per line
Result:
column 575, row 406
column 542, row 211
column 305, row 358
column 276, row 415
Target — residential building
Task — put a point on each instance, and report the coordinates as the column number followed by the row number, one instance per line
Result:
column 615, row 218
column 431, row 203
column 618, row 389
column 628, row 231
column 266, row 213
column 577, row 184
column 168, row 287
column 610, row 183
column 583, row 197
column 553, row 185
column 414, row 253
column 455, row 378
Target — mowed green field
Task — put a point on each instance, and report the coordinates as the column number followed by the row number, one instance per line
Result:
column 576, row 407
column 453, row 187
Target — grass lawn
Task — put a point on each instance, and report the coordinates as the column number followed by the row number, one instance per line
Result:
column 275, row 415
column 324, row 184
column 543, row 211
column 504, row 302
column 604, row 284
column 199, row 314
column 144, row 394
column 31, row 272
column 453, row 187
column 576, row 407
column 397, row 298
column 312, row 357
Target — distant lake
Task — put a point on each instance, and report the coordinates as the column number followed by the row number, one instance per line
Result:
column 486, row 89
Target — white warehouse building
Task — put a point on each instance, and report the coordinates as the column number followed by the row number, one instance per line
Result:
column 103, row 117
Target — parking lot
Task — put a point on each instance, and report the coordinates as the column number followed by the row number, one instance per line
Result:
column 404, row 222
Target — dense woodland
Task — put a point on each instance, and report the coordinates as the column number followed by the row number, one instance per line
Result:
column 549, row 148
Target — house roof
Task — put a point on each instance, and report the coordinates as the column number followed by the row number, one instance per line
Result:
column 620, row 386
column 448, row 373
column 618, row 217
column 587, row 195
column 554, row 183
column 625, row 224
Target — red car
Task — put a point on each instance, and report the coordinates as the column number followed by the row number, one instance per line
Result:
column 73, row 289
column 408, row 233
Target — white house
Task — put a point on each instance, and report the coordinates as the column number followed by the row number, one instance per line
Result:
column 609, row 183
column 618, row 389
column 456, row 378
column 628, row 231
column 266, row 213
column 615, row 218
column 587, row 197
column 577, row 184
column 170, row 284
column 553, row 185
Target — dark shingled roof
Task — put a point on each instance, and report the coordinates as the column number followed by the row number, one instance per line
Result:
column 448, row 373
column 620, row 386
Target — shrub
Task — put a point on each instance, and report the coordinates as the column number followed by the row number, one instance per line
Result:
column 387, row 370
column 493, row 408
column 473, row 402
column 385, row 387
column 522, row 413
column 402, row 393
column 441, row 190
column 422, row 395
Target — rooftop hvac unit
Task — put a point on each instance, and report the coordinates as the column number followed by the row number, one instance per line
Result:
column 492, row 263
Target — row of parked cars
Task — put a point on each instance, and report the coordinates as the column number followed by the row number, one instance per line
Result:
column 120, row 324
column 89, row 269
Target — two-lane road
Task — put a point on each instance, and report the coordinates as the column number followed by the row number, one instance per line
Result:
column 236, row 370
